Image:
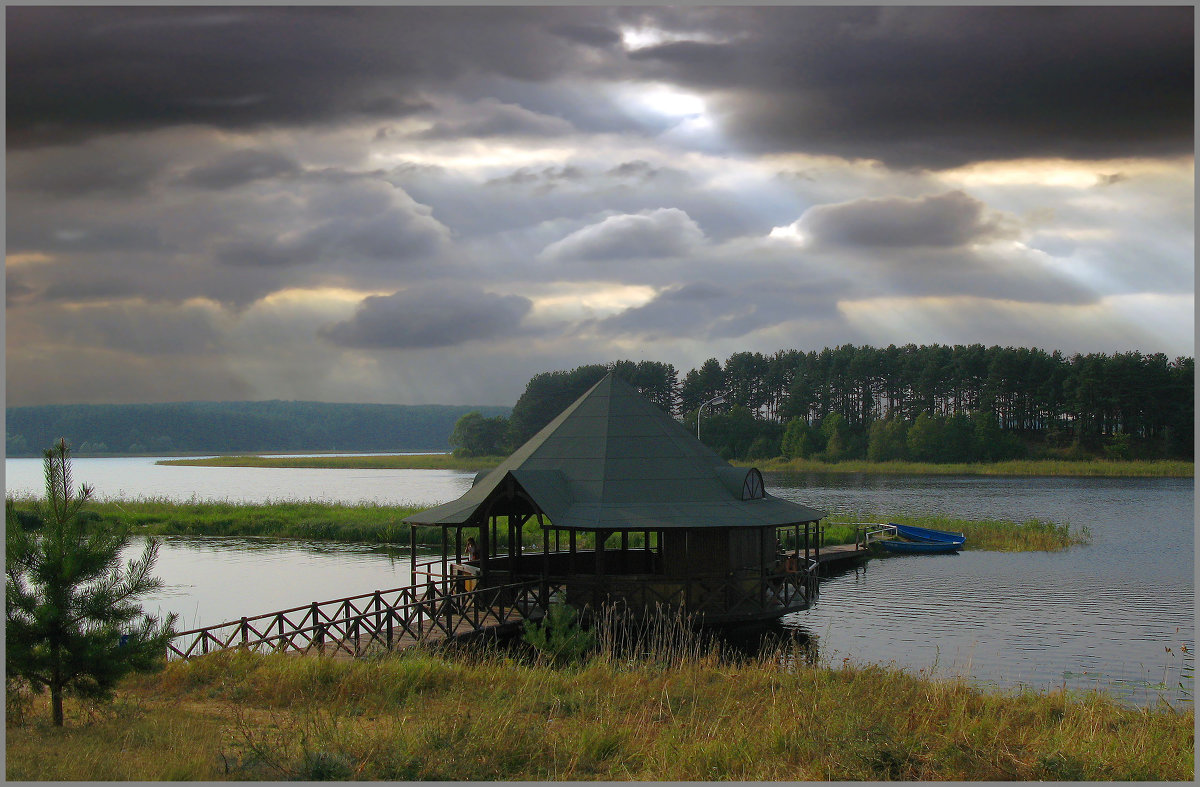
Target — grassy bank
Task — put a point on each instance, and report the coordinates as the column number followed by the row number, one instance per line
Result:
column 436, row 717
column 1158, row 468
column 1031, row 467
column 370, row 523
column 1032, row 535
column 382, row 462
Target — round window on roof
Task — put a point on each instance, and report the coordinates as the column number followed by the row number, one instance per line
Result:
column 753, row 488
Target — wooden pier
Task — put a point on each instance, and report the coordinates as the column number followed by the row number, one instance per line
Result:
column 435, row 611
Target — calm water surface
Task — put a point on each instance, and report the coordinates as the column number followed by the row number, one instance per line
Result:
column 1113, row 614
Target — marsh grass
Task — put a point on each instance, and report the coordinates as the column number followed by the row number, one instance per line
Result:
column 373, row 523
column 379, row 462
column 673, row 710
column 1019, row 467
column 1158, row 468
column 1031, row 535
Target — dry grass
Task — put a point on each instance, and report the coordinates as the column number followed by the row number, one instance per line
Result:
column 685, row 716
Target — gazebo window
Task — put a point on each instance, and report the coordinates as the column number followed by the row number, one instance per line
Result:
column 753, row 488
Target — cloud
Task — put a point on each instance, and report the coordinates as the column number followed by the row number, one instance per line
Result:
column 491, row 118
column 363, row 220
column 939, row 87
column 258, row 67
column 712, row 311
column 547, row 177
column 950, row 220
column 240, row 167
column 665, row 232
column 431, row 316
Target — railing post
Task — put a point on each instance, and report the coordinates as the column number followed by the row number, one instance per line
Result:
column 245, row 632
column 318, row 629
column 378, row 620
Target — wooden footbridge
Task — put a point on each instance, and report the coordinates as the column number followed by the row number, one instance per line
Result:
column 434, row 611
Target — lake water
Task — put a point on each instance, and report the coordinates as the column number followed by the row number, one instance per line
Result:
column 1114, row 614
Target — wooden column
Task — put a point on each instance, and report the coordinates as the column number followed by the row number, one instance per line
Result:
column 762, row 570
column 445, row 549
column 624, row 551
column 687, row 569
column 484, row 548
column 601, row 537
column 412, row 531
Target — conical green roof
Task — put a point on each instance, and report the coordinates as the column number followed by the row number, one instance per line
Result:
column 614, row 460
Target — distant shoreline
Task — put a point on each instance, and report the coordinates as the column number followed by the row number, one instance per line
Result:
column 1099, row 468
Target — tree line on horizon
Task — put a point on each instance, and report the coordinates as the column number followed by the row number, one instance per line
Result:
column 221, row 427
column 935, row 403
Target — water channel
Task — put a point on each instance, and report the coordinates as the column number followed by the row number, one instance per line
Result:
column 1115, row 614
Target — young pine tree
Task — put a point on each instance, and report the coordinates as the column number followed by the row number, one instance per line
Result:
column 72, row 618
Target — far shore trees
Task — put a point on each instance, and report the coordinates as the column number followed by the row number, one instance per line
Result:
column 73, row 623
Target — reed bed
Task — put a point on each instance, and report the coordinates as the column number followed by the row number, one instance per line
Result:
column 380, row 462
column 1158, row 468
column 661, row 705
column 373, row 523
column 999, row 535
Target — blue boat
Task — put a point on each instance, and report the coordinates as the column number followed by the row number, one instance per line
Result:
column 922, row 540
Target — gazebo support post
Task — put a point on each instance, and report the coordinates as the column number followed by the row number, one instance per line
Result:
column 601, row 537
column 484, row 551
column 762, row 569
column 413, row 553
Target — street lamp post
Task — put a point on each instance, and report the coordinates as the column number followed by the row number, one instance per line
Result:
column 719, row 399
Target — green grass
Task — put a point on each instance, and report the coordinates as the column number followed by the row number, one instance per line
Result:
column 382, row 462
column 372, row 523
column 999, row 535
column 1158, row 468
column 309, row 520
column 491, row 716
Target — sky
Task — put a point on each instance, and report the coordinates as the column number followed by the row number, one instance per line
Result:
column 430, row 205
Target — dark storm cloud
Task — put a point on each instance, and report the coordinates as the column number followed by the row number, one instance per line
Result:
column 74, row 72
column 240, row 167
column 946, row 220
column 932, row 87
column 938, row 87
column 431, row 316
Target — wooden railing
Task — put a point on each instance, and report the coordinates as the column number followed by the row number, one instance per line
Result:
column 434, row 610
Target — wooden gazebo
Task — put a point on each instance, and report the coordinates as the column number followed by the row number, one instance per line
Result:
column 633, row 510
